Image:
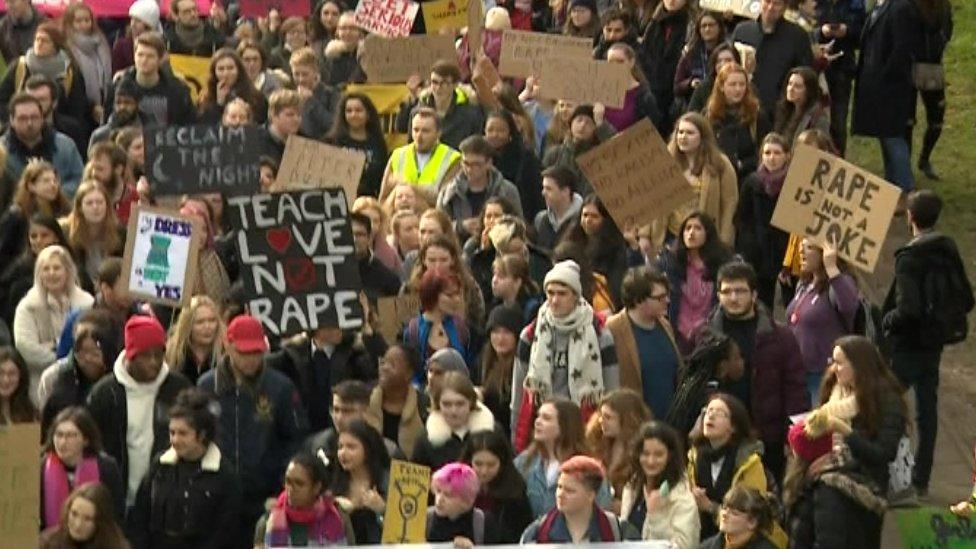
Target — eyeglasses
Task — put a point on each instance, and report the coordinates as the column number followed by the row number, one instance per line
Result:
column 659, row 297
column 714, row 412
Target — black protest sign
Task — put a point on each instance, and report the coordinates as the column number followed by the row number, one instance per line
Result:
column 297, row 259
column 203, row 159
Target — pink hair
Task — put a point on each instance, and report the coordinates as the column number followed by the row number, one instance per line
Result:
column 457, row 479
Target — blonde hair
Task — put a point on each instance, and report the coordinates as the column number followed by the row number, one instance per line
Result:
column 420, row 204
column 363, row 203
column 178, row 342
column 64, row 256
column 80, row 231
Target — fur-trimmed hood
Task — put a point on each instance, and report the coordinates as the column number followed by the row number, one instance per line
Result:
column 210, row 461
column 438, row 431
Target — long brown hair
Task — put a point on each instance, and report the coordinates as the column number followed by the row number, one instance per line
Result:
column 633, row 412
column 28, row 201
column 80, row 231
column 717, row 105
column 22, row 410
column 107, row 534
column 709, row 156
column 243, row 88
column 570, row 441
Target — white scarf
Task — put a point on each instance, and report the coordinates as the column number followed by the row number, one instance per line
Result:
column 585, row 375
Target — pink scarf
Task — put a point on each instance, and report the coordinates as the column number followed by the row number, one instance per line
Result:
column 56, row 488
column 324, row 523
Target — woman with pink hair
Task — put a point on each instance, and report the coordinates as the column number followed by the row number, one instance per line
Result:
column 454, row 518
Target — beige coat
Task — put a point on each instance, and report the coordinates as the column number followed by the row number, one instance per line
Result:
column 411, row 426
column 623, row 337
column 718, row 198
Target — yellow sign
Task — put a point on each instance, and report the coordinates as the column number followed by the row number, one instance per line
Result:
column 387, row 99
column 445, row 15
column 19, row 488
column 405, row 520
column 195, row 72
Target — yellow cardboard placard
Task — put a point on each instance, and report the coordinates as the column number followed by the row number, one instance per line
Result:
column 405, row 520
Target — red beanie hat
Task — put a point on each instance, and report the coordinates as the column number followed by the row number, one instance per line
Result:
column 806, row 448
column 141, row 334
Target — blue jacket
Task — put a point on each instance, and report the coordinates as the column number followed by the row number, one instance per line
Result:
column 542, row 497
column 262, row 424
column 55, row 147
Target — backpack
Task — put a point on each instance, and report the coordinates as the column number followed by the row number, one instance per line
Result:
column 946, row 298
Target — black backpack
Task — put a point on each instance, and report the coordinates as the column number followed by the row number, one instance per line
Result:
column 867, row 321
column 947, row 298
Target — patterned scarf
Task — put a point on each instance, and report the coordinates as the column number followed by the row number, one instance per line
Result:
column 585, row 372
column 324, row 523
column 56, row 486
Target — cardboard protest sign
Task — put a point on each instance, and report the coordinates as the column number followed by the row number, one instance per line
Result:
column 287, row 8
column 297, row 259
column 445, row 15
column 203, row 159
column 476, row 23
column 160, row 260
column 394, row 311
column 635, row 176
column 405, row 520
column 19, row 490
column 585, row 81
column 934, row 527
column 396, row 59
column 742, row 8
column 308, row 164
column 485, row 75
column 524, row 53
column 194, row 70
column 831, row 200
column 391, row 18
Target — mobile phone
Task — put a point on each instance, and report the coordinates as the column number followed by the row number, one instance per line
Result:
column 665, row 489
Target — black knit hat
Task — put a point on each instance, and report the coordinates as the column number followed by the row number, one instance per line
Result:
column 588, row 4
column 508, row 317
column 583, row 110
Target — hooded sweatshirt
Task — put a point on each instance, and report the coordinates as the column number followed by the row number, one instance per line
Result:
column 455, row 200
column 549, row 228
column 140, row 399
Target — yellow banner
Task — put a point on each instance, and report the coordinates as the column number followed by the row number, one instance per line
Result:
column 194, row 71
column 387, row 99
column 444, row 15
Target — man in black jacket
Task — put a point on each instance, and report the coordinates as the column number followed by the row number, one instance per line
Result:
column 284, row 120
column 460, row 117
column 909, row 326
column 318, row 100
column 350, row 399
column 191, row 35
column 163, row 98
column 131, row 406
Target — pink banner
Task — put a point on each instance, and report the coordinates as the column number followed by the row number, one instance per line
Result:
column 287, row 8
column 104, row 8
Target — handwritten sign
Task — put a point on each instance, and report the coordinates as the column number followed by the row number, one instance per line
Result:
column 394, row 311
column 203, row 159
column 160, row 260
column 194, row 70
column 934, row 527
column 742, row 8
column 831, row 200
column 287, row 8
column 524, row 53
column 391, row 18
column 445, row 15
column 389, row 60
column 405, row 520
column 19, row 490
column 585, row 81
column 297, row 259
column 635, row 176
column 308, row 164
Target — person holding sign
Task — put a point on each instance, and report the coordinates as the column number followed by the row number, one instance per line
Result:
column 460, row 117
column 426, row 163
column 640, row 101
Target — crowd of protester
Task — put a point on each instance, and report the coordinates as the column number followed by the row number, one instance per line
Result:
column 565, row 379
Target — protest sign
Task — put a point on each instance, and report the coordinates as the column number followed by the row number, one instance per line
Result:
column 585, row 81
column 160, row 260
column 396, row 59
column 287, row 8
column 405, row 520
column 524, row 53
column 394, row 311
column 297, row 259
column 831, row 200
column 19, row 490
column 308, row 164
column 445, row 15
column 635, row 176
column 485, row 75
column 194, row 70
column 203, row 159
column 476, row 23
column 391, row 18
column 742, row 8
column 934, row 527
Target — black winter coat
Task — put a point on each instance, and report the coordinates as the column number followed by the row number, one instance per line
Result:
column 663, row 43
column 741, row 144
column 70, row 388
column 788, row 46
column 884, row 94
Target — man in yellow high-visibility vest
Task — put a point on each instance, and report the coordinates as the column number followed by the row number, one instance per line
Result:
column 426, row 163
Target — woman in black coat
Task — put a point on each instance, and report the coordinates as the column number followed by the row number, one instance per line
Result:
column 502, row 496
column 191, row 496
column 936, row 16
column 664, row 40
column 514, row 160
column 884, row 97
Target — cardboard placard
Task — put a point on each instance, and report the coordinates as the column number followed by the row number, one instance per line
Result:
column 934, row 527
column 391, row 18
column 524, row 53
column 445, row 15
column 297, row 259
column 476, row 23
column 195, row 72
column 742, row 8
column 392, row 60
column 394, row 311
column 287, row 8
column 405, row 520
column 829, row 199
column 309, row 164
column 160, row 260
column 20, row 492
column 585, row 81
column 635, row 176
column 201, row 159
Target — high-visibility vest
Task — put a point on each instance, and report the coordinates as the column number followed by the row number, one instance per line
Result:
column 403, row 161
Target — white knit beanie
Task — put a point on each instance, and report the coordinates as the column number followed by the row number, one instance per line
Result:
column 566, row 273
column 146, row 11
